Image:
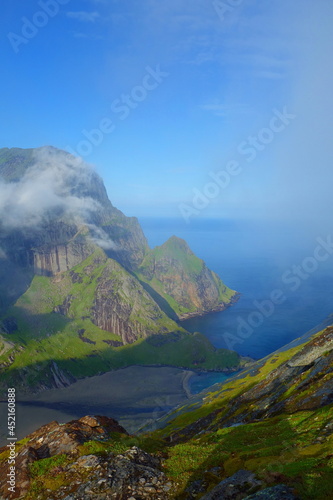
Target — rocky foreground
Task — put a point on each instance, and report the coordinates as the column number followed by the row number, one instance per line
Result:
column 266, row 433
column 65, row 461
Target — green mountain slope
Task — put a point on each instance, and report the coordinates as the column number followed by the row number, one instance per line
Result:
column 265, row 434
column 183, row 280
column 74, row 296
column 274, row 419
column 90, row 319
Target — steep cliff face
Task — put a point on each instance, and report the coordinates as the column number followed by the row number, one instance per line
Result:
column 123, row 307
column 61, row 209
column 99, row 291
column 184, row 280
column 70, row 263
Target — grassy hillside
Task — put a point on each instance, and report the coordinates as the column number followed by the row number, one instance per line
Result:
column 183, row 280
column 275, row 419
column 55, row 321
column 201, row 445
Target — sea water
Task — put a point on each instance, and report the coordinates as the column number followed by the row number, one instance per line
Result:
column 256, row 259
column 251, row 258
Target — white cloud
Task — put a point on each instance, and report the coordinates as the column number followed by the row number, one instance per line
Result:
column 221, row 109
column 57, row 185
column 84, row 16
column 100, row 238
column 46, row 186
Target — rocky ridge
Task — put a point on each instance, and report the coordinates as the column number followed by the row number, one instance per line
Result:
column 54, row 463
column 303, row 382
column 183, row 280
column 247, row 439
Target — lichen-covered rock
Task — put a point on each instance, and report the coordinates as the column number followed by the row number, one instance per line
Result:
column 303, row 382
column 279, row 492
column 54, row 439
column 236, row 487
column 134, row 474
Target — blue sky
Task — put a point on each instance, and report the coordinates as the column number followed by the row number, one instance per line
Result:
column 224, row 71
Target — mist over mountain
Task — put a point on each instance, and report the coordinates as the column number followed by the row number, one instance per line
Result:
column 53, row 183
column 46, row 186
column 79, row 276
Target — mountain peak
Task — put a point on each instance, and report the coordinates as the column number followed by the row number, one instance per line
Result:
column 175, row 244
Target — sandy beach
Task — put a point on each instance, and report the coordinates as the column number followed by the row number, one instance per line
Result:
column 134, row 396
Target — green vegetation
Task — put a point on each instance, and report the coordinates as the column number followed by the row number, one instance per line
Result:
column 279, row 449
column 81, row 359
column 176, row 249
column 175, row 273
column 119, row 443
column 14, row 162
column 41, row 467
column 293, row 447
column 71, row 339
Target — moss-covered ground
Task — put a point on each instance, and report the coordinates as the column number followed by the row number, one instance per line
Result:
column 280, row 449
column 81, row 348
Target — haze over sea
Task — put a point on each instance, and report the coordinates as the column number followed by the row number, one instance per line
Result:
column 252, row 257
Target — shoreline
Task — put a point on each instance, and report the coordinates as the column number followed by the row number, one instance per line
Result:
column 186, row 382
column 25, row 396
column 219, row 308
column 133, row 396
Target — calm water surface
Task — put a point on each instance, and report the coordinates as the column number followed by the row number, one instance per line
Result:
column 252, row 258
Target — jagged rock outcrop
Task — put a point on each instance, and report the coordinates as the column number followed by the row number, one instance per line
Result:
column 184, row 280
column 304, row 381
column 134, row 473
column 50, row 440
column 240, row 485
